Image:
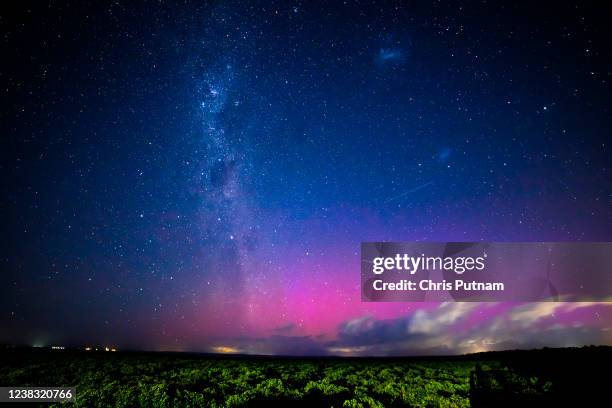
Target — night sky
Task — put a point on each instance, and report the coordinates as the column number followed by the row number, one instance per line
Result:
column 199, row 176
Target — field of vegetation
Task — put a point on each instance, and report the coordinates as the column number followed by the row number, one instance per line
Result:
column 106, row 379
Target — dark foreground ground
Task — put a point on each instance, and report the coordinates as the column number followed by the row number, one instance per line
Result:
column 549, row 377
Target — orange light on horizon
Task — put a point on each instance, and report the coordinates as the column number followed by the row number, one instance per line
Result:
column 225, row 349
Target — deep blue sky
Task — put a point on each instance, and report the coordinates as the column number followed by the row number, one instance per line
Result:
column 174, row 162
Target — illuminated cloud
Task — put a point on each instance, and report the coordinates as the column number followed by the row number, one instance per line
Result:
column 445, row 329
column 458, row 328
column 437, row 320
column 527, row 315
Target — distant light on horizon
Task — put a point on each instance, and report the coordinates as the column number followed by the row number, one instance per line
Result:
column 347, row 351
column 225, row 349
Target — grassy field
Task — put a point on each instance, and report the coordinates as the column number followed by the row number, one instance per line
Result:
column 106, row 379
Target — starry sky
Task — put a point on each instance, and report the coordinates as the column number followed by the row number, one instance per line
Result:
column 200, row 175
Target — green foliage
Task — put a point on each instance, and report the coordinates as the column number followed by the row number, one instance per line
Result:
column 160, row 381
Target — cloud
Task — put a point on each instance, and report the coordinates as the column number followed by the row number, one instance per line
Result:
column 286, row 329
column 454, row 328
column 528, row 314
column 368, row 330
column 448, row 328
column 424, row 332
column 440, row 319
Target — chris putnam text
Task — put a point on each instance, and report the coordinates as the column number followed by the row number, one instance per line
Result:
column 429, row 285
